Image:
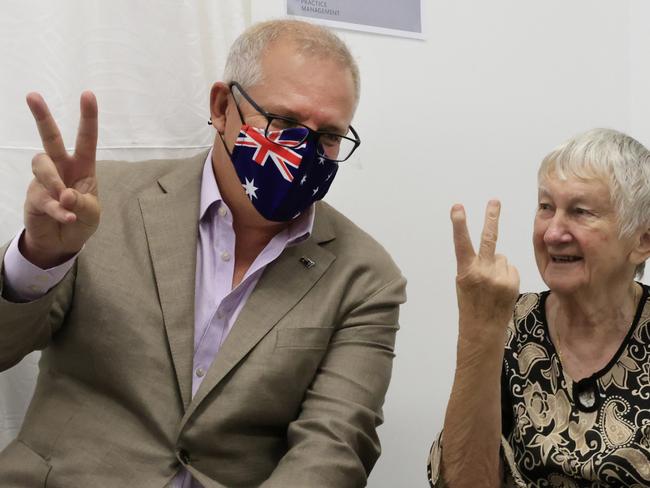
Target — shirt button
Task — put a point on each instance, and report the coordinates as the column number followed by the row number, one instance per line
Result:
column 223, row 211
column 225, row 255
column 200, row 372
column 34, row 288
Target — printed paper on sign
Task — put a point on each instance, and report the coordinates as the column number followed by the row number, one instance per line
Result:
column 398, row 18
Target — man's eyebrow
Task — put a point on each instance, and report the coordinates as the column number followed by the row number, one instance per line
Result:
column 282, row 111
column 336, row 130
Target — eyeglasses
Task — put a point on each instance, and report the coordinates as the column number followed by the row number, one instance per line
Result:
column 335, row 147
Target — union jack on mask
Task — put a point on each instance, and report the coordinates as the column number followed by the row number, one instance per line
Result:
column 281, row 182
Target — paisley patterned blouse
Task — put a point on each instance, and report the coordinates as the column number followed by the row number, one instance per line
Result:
column 551, row 438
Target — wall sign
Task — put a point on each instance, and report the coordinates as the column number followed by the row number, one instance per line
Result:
column 398, row 18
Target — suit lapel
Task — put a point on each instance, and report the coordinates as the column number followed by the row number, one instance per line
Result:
column 283, row 284
column 170, row 214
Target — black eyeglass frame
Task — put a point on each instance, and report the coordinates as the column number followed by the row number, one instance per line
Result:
column 270, row 117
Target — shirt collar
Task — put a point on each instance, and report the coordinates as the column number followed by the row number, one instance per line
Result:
column 299, row 230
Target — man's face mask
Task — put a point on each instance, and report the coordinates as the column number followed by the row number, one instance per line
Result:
column 284, row 171
column 281, row 181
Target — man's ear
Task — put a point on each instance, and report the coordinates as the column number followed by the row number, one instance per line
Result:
column 642, row 250
column 218, row 105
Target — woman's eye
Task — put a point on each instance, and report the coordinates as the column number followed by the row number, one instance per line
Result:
column 582, row 211
column 543, row 206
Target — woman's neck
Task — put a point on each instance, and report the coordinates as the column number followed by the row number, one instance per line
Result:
column 588, row 328
column 595, row 312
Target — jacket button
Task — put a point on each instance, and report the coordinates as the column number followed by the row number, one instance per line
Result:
column 184, row 456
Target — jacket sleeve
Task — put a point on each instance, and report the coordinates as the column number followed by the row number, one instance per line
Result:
column 25, row 327
column 333, row 442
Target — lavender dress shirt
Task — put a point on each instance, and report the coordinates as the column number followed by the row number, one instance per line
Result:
column 216, row 304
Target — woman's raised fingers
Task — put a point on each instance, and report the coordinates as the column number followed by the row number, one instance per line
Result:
column 462, row 241
column 490, row 230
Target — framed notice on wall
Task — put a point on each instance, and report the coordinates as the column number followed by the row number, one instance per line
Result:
column 393, row 17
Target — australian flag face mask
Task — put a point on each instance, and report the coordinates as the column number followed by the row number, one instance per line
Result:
column 280, row 181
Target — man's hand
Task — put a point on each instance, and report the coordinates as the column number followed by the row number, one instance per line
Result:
column 61, row 209
column 486, row 285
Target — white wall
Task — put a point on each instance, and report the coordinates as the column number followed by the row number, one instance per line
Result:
column 151, row 64
column 462, row 117
column 639, row 49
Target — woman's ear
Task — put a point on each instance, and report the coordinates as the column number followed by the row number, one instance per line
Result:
column 218, row 105
column 642, row 250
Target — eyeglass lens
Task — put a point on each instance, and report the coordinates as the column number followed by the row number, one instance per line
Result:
column 332, row 146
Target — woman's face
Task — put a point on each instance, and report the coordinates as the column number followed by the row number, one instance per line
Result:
column 576, row 237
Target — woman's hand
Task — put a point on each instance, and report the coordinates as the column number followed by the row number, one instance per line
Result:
column 61, row 208
column 487, row 286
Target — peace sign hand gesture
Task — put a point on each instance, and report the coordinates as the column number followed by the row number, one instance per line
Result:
column 487, row 286
column 61, row 208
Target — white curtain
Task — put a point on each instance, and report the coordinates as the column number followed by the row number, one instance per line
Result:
column 151, row 64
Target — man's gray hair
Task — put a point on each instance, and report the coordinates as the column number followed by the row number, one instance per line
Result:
column 244, row 63
column 617, row 159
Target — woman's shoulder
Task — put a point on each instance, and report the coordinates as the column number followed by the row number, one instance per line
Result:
column 528, row 320
column 528, row 303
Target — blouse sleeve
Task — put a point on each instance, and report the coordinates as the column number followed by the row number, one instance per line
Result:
column 433, row 464
column 511, row 476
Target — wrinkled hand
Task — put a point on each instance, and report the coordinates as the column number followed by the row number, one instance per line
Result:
column 61, row 208
column 487, row 286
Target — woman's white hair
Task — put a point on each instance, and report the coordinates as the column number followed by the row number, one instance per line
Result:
column 244, row 63
column 620, row 161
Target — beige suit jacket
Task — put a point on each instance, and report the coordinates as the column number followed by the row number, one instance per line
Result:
column 293, row 398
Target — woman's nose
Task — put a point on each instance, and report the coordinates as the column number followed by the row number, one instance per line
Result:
column 557, row 231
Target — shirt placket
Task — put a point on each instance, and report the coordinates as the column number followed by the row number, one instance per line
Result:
column 221, row 297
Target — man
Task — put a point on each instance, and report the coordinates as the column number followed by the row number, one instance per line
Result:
column 219, row 328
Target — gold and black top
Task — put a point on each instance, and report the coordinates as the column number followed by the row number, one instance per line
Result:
column 560, row 433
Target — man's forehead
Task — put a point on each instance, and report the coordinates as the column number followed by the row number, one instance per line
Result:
column 300, row 87
column 287, row 59
column 301, row 108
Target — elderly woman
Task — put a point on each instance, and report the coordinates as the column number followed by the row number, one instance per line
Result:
column 567, row 402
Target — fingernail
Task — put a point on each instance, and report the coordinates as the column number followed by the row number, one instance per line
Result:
column 493, row 208
column 456, row 211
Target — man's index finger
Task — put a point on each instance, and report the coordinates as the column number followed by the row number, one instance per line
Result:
column 47, row 128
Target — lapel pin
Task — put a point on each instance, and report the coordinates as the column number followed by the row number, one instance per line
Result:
column 307, row 263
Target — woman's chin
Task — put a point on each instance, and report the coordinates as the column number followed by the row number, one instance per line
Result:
column 563, row 285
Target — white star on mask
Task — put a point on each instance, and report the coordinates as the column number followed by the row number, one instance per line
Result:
column 304, row 178
column 250, row 189
column 314, row 191
column 321, row 160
